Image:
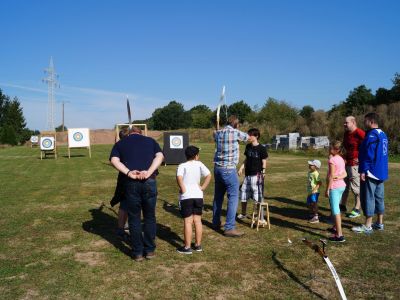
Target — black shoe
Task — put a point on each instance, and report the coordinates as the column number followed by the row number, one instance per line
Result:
column 184, row 250
column 339, row 239
column 197, row 248
column 343, row 208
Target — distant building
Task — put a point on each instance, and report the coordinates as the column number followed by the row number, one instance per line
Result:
column 319, row 142
column 293, row 141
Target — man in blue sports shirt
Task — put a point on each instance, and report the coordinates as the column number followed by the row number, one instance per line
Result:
column 373, row 169
column 226, row 178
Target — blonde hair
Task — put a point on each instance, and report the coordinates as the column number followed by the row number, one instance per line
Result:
column 337, row 146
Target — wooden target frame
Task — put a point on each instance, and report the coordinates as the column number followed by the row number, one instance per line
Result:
column 35, row 139
column 118, row 127
column 44, row 153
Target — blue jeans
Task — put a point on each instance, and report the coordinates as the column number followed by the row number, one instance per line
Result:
column 372, row 195
column 142, row 196
column 226, row 180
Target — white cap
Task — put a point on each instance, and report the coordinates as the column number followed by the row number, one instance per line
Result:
column 315, row 162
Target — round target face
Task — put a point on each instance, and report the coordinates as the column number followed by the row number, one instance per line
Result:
column 176, row 141
column 47, row 143
column 78, row 136
column 34, row 139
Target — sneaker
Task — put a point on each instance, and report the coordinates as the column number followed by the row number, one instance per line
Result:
column 241, row 216
column 335, row 238
column 263, row 222
column 198, row 248
column 343, row 208
column 150, row 255
column 314, row 220
column 362, row 229
column 138, row 258
column 233, row 233
column 355, row 213
column 184, row 250
column 378, row 226
column 332, row 229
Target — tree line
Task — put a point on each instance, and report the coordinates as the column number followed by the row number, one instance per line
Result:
column 280, row 117
column 13, row 130
column 273, row 117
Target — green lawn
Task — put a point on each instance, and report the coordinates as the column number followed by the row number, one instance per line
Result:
column 57, row 240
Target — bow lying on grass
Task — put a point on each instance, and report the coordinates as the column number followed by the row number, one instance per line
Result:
column 322, row 253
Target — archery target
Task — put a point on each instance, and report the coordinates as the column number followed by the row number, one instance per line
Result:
column 176, row 142
column 34, row 139
column 78, row 137
column 47, row 143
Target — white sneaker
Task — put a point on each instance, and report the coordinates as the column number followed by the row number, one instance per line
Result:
column 263, row 222
column 362, row 229
column 241, row 217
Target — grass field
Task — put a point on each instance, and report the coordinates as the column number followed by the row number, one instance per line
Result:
column 57, row 242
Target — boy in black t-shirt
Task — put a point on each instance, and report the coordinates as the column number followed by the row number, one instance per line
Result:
column 254, row 171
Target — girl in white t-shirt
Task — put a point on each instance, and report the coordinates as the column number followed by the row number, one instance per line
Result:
column 188, row 177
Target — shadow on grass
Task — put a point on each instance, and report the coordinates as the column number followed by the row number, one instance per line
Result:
column 294, row 202
column 293, row 276
column 290, row 212
column 164, row 233
column 174, row 210
column 298, row 227
column 102, row 224
column 171, row 208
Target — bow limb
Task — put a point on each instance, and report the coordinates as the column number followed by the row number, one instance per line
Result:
column 218, row 112
column 221, row 101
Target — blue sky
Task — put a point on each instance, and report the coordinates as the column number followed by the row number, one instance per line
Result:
column 303, row 52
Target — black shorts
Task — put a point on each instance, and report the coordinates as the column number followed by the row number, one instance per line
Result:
column 193, row 206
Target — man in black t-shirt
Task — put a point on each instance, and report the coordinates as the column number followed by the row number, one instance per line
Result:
column 254, row 171
column 138, row 157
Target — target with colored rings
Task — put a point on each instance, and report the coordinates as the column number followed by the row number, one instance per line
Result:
column 47, row 143
column 78, row 136
column 176, row 141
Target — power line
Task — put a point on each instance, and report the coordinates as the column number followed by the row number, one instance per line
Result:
column 52, row 83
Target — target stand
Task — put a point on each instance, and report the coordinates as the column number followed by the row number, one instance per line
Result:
column 34, row 141
column 174, row 147
column 118, row 127
column 47, row 144
column 79, row 138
